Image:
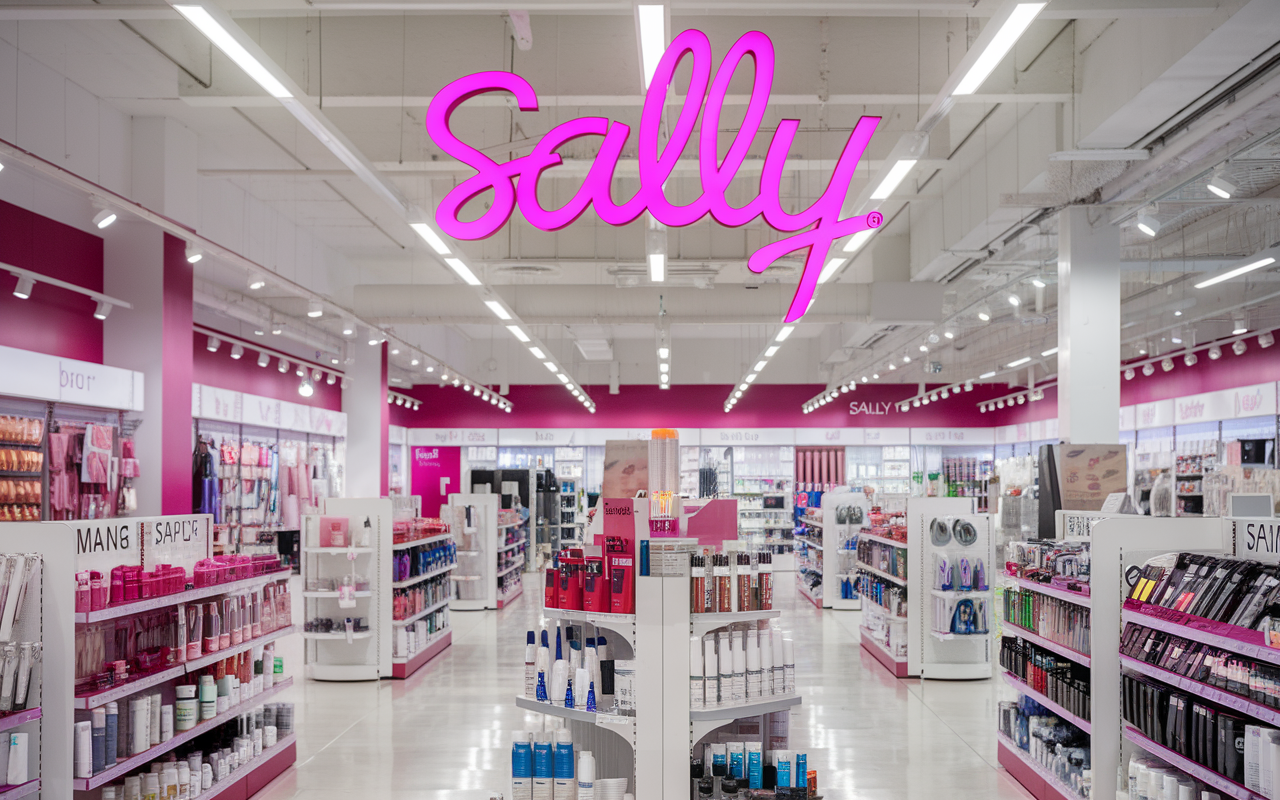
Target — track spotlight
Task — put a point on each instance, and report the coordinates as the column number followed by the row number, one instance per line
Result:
column 1129, row 374
column 103, row 309
column 24, row 288
column 1215, row 353
column 915, row 403
column 1265, row 340
column 277, row 328
column 332, row 379
column 1014, row 300
column 1239, row 325
column 301, row 371
column 1022, row 399
column 982, row 408
column 1147, row 223
column 945, row 394
column 1166, row 364
column 257, row 282
column 345, row 383
column 999, row 404
column 193, row 254
column 1239, row 347
column 315, row 309
column 237, row 351
column 284, row 366
column 104, row 218
column 263, row 359
column 1148, row 369
column 984, row 314
column 214, row 344
column 306, row 389
column 1190, row 359
column 316, row 375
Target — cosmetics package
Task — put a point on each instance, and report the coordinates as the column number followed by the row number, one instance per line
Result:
column 595, row 586
column 521, row 766
column 18, row 758
column 551, row 590
column 84, row 749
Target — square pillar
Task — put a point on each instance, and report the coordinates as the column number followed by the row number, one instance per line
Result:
column 1088, row 327
column 368, row 418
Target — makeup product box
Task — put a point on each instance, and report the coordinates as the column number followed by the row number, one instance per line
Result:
column 334, row 531
column 551, row 591
column 620, row 554
column 595, row 586
column 571, row 569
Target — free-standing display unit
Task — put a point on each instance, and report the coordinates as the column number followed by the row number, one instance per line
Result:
column 885, row 549
column 952, row 591
column 490, row 553
column 423, row 559
column 826, row 547
column 346, row 554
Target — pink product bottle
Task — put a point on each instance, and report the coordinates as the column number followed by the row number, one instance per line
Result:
column 194, row 622
column 284, row 614
column 228, row 625
column 212, row 628
column 268, row 609
column 98, row 591
column 84, row 601
column 255, row 615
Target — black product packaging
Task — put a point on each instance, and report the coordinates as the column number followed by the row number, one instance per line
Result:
column 1231, row 736
column 1210, row 739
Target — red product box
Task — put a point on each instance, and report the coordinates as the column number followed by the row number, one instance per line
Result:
column 595, row 586
column 551, row 592
column 571, row 580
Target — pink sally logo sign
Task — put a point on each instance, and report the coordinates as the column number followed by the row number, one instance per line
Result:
column 816, row 228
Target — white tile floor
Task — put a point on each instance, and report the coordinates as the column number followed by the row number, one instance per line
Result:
column 445, row 732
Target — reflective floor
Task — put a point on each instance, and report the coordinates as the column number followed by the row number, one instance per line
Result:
column 446, row 732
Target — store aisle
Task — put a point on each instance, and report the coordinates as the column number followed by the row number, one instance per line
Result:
column 446, row 732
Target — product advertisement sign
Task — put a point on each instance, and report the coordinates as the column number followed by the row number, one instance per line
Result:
column 434, row 473
column 1088, row 474
column 45, row 377
column 452, row 436
column 178, row 540
column 104, row 544
column 1256, row 538
column 1243, row 401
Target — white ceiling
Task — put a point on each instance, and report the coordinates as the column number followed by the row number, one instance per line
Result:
column 975, row 216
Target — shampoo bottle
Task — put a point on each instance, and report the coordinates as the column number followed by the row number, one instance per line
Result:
column 530, row 666
column 544, row 670
column 521, row 767
column 726, row 670
column 755, row 767
column 784, row 768
column 586, row 776
column 753, row 666
column 566, row 785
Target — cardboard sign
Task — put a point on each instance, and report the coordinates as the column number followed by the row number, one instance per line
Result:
column 1257, row 538
column 180, row 540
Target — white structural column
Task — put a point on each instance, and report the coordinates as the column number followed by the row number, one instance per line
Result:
column 1088, row 327
column 365, row 401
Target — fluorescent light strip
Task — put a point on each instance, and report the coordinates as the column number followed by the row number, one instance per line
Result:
column 537, row 353
column 1237, row 272
column 496, row 307
column 771, row 352
column 653, row 38
column 1004, row 40
column 657, row 267
column 857, row 240
column 1019, row 362
column 550, row 365
column 224, row 41
column 463, row 271
column 519, row 334
column 760, row 365
column 830, row 269
column 784, row 333
column 430, row 237
column 895, row 177
column 1049, row 352
column 563, row 378
column 986, row 375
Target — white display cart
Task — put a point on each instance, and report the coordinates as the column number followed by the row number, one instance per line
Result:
column 843, row 513
column 484, row 557
column 363, row 655
column 652, row 744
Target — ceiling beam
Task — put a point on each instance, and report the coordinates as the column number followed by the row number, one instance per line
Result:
column 615, row 100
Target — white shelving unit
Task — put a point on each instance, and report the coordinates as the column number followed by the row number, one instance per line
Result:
column 843, row 514
column 1117, row 543
column 482, row 546
column 883, row 633
column 955, row 625
column 414, row 644
column 363, row 655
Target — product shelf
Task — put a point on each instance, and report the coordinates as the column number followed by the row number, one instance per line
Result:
column 753, row 709
column 505, row 599
column 21, row 790
column 234, row 780
column 336, row 636
column 1048, row 644
column 622, row 624
column 510, row 525
column 945, row 636
column 147, row 756
column 338, row 551
column 809, row 542
column 20, row 718
column 810, row 522
column 1021, row 762
column 804, row 590
column 1021, row 686
column 421, row 614
column 1061, row 594
column 883, row 609
column 88, row 701
column 1239, row 640
column 511, row 568
column 511, row 546
column 883, row 540
column 404, row 667
column 897, row 667
column 155, row 603
column 426, row 576
column 891, row 578
column 623, row 726
column 323, row 595
column 204, row 661
column 953, row 594
column 1232, row 701
column 702, row 624
column 1215, row 780
column 419, row 542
